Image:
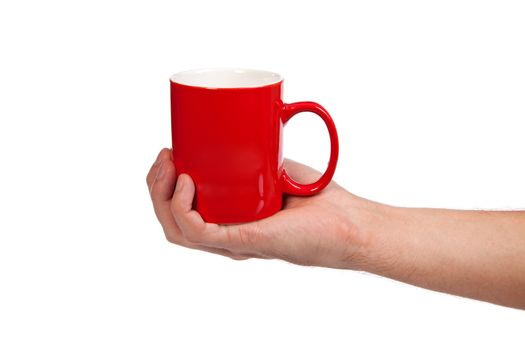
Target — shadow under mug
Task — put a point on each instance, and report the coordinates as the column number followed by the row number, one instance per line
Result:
column 227, row 131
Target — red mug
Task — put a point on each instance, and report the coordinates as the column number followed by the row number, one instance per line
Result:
column 227, row 131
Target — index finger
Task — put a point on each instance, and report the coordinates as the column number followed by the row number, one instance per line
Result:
column 164, row 154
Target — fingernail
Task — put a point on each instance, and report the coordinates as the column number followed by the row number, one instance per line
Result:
column 180, row 184
column 160, row 172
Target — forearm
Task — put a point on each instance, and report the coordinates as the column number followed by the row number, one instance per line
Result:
column 476, row 254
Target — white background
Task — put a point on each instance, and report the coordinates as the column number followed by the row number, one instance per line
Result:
column 428, row 98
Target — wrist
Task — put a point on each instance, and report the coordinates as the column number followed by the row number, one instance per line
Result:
column 372, row 224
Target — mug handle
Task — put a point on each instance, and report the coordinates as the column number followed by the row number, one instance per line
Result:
column 295, row 188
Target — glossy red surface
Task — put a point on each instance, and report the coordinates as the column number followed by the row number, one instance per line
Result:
column 229, row 141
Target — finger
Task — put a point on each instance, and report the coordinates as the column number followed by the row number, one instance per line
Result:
column 300, row 172
column 192, row 226
column 222, row 252
column 161, row 181
column 163, row 184
column 178, row 239
column 247, row 239
column 164, row 154
column 161, row 193
column 190, row 222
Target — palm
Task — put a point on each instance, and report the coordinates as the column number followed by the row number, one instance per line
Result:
column 307, row 229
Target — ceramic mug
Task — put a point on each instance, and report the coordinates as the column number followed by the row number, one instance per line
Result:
column 227, row 131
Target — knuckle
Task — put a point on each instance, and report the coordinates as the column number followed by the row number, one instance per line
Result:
column 170, row 238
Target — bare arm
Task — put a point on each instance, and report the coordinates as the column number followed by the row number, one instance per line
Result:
column 476, row 254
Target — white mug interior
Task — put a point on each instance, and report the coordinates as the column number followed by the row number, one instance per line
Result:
column 226, row 78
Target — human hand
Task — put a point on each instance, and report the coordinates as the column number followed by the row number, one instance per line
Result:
column 318, row 230
column 454, row 251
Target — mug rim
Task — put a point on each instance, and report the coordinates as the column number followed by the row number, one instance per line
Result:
column 226, row 78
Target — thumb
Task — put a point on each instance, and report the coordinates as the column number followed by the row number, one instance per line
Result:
column 184, row 192
column 300, row 172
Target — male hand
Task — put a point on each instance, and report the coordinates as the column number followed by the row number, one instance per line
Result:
column 316, row 230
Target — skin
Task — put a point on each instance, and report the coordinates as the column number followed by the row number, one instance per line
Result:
column 475, row 254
